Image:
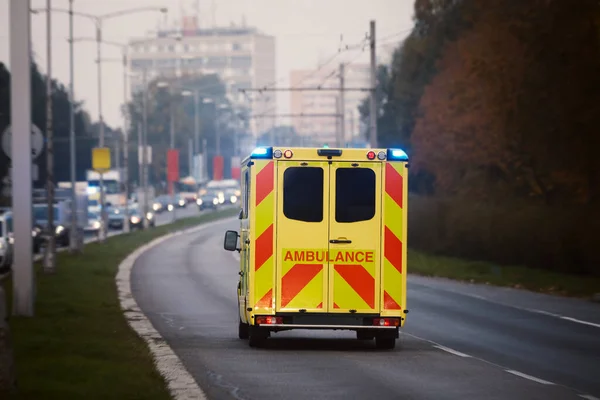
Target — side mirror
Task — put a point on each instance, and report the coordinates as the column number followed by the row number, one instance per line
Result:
column 231, row 239
column 241, row 214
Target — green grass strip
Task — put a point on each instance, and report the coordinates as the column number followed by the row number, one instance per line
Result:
column 79, row 345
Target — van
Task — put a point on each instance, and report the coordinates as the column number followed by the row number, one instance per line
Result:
column 322, row 242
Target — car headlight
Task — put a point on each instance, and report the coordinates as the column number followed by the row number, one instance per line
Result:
column 233, row 199
column 182, row 202
column 156, row 206
column 170, row 207
column 215, row 201
column 96, row 224
column 59, row 229
column 149, row 215
column 34, row 233
column 199, row 202
column 1, row 244
column 135, row 219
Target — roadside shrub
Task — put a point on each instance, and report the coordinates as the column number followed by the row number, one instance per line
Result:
column 562, row 239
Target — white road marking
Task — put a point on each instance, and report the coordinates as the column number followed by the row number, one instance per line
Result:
column 588, row 397
column 451, row 351
column 180, row 382
column 531, row 378
column 533, row 310
column 579, row 321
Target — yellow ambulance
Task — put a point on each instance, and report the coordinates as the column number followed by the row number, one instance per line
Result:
column 322, row 242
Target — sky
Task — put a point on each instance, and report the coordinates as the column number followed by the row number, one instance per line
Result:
column 307, row 33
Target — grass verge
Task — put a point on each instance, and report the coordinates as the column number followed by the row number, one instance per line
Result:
column 79, row 345
column 520, row 277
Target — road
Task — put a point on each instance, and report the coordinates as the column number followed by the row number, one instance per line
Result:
column 460, row 341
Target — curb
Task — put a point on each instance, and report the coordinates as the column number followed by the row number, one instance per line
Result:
column 180, row 382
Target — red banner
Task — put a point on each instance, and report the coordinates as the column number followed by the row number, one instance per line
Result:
column 218, row 168
column 172, row 165
column 236, row 173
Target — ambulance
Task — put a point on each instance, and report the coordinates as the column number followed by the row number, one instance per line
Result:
column 322, row 242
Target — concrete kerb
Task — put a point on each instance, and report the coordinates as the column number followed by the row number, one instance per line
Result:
column 180, row 383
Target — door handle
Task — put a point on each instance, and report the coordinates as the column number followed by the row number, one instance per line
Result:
column 337, row 241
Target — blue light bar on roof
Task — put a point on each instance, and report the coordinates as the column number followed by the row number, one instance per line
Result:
column 262, row 152
column 397, row 155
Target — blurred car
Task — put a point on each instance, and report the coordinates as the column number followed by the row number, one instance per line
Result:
column 162, row 203
column 180, row 202
column 94, row 223
column 136, row 220
column 231, row 196
column 116, row 218
column 208, row 201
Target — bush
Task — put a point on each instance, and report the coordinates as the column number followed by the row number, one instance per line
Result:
column 518, row 233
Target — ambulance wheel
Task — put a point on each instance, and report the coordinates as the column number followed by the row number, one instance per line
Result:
column 257, row 336
column 385, row 342
column 243, row 331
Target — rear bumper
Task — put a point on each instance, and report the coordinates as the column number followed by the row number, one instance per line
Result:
column 325, row 321
column 329, row 327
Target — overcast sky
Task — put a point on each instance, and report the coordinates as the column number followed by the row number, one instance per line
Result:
column 307, row 32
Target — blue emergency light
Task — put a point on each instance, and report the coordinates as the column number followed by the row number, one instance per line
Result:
column 397, row 155
column 262, row 152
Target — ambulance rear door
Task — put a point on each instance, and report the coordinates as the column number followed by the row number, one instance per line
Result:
column 354, row 236
column 302, row 236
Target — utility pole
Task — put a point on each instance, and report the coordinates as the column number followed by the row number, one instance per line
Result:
column 74, row 244
column 373, row 102
column 102, row 233
column 172, row 129
column 196, row 122
column 205, row 159
column 20, row 112
column 342, row 110
column 190, row 156
column 126, row 125
column 144, row 154
column 49, row 259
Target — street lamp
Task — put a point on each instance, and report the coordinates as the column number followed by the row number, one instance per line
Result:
column 98, row 21
column 124, row 61
column 165, row 84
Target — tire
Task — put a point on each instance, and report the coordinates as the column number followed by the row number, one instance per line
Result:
column 364, row 335
column 385, row 342
column 243, row 330
column 257, row 336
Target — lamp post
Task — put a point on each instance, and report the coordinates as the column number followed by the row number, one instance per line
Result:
column 165, row 84
column 124, row 60
column 98, row 22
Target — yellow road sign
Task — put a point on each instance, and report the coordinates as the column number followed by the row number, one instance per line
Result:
column 101, row 159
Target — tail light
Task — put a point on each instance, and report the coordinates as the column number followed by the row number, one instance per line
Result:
column 386, row 322
column 269, row 320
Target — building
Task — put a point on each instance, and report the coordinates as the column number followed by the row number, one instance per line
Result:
column 242, row 56
column 324, row 128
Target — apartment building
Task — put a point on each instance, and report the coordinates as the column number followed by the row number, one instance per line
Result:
column 325, row 128
column 242, row 56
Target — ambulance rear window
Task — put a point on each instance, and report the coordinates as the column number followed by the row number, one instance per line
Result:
column 354, row 194
column 303, row 193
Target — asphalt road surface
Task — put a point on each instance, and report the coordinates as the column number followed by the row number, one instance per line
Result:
column 460, row 341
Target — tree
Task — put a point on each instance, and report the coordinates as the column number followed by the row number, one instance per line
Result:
column 159, row 103
column 60, row 110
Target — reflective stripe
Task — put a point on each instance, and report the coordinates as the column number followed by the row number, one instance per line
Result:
column 264, row 233
column 394, row 292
